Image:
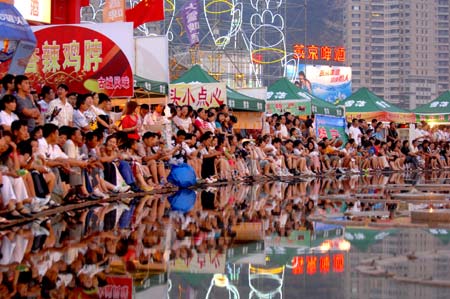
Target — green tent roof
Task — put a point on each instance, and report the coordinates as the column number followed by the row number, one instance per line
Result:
column 285, row 90
column 235, row 99
column 150, row 86
column 363, row 100
column 441, row 105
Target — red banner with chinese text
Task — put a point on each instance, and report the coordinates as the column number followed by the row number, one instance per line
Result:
column 88, row 58
column 382, row 116
column 201, row 95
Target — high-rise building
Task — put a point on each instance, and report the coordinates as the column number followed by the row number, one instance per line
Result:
column 399, row 49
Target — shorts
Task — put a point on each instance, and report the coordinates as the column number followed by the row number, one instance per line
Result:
column 263, row 163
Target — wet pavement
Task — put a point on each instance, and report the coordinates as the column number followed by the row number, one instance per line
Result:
column 332, row 237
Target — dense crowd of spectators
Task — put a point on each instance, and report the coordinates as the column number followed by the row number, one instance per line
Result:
column 60, row 147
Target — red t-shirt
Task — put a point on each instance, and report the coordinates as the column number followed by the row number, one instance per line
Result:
column 130, row 121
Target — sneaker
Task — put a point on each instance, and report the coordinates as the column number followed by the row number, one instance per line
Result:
column 42, row 201
column 53, row 203
column 121, row 189
column 36, row 208
column 100, row 194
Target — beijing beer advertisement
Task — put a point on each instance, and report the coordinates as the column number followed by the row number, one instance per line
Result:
column 88, row 58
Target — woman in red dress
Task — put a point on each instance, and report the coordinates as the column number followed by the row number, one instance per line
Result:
column 130, row 121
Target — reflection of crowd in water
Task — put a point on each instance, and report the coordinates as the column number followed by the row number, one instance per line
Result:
column 70, row 254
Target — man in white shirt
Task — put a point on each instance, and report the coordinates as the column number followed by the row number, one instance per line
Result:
column 284, row 131
column 354, row 132
column 60, row 112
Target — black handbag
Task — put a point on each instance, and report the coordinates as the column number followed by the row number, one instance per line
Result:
column 40, row 185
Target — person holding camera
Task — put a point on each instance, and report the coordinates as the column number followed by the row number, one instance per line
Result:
column 60, row 112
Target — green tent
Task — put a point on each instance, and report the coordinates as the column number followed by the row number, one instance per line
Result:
column 236, row 100
column 366, row 105
column 144, row 87
column 437, row 110
column 284, row 96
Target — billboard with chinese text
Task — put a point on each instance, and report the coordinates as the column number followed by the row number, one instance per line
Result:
column 88, row 58
column 35, row 10
column 331, row 127
column 201, row 95
column 330, row 83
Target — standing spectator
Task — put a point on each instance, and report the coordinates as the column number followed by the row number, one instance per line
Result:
column 60, row 112
column 130, row 121
column 102, row 110
column 7, row 116
column 79, row 119
column 143, row 111
column 47, row 95
column 392, row 132
column 72, row 98
column 8, row 84
column 354, row 132
column 26, row 108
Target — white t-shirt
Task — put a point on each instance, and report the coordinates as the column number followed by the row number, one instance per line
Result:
column 183, row 123
column 6, row 119
column 65, row 115
column 355, row 133
column 71, row 150
column 50, row 152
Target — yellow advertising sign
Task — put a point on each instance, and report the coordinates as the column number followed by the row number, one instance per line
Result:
column 35, row 10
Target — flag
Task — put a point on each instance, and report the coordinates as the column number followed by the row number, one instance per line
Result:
column 191, row 21
column 145, row 11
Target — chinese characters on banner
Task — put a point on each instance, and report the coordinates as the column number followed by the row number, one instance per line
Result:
column 313, row 52
column 210, row 262
column 329, row 83
column 117, row 287
column 34, row 10
column 330, row 127
column 114, row 11
column 83, row 58
column 202, row 95
column 191, row 23
column 324, row 264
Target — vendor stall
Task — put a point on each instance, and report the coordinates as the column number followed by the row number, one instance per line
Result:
column 364, row 104
column 198, row 89
column 283, row 96
column 437, row 111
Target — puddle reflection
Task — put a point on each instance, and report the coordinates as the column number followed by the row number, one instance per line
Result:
column 264, row 240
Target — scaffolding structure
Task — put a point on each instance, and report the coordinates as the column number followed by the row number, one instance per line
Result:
column 244, row 43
